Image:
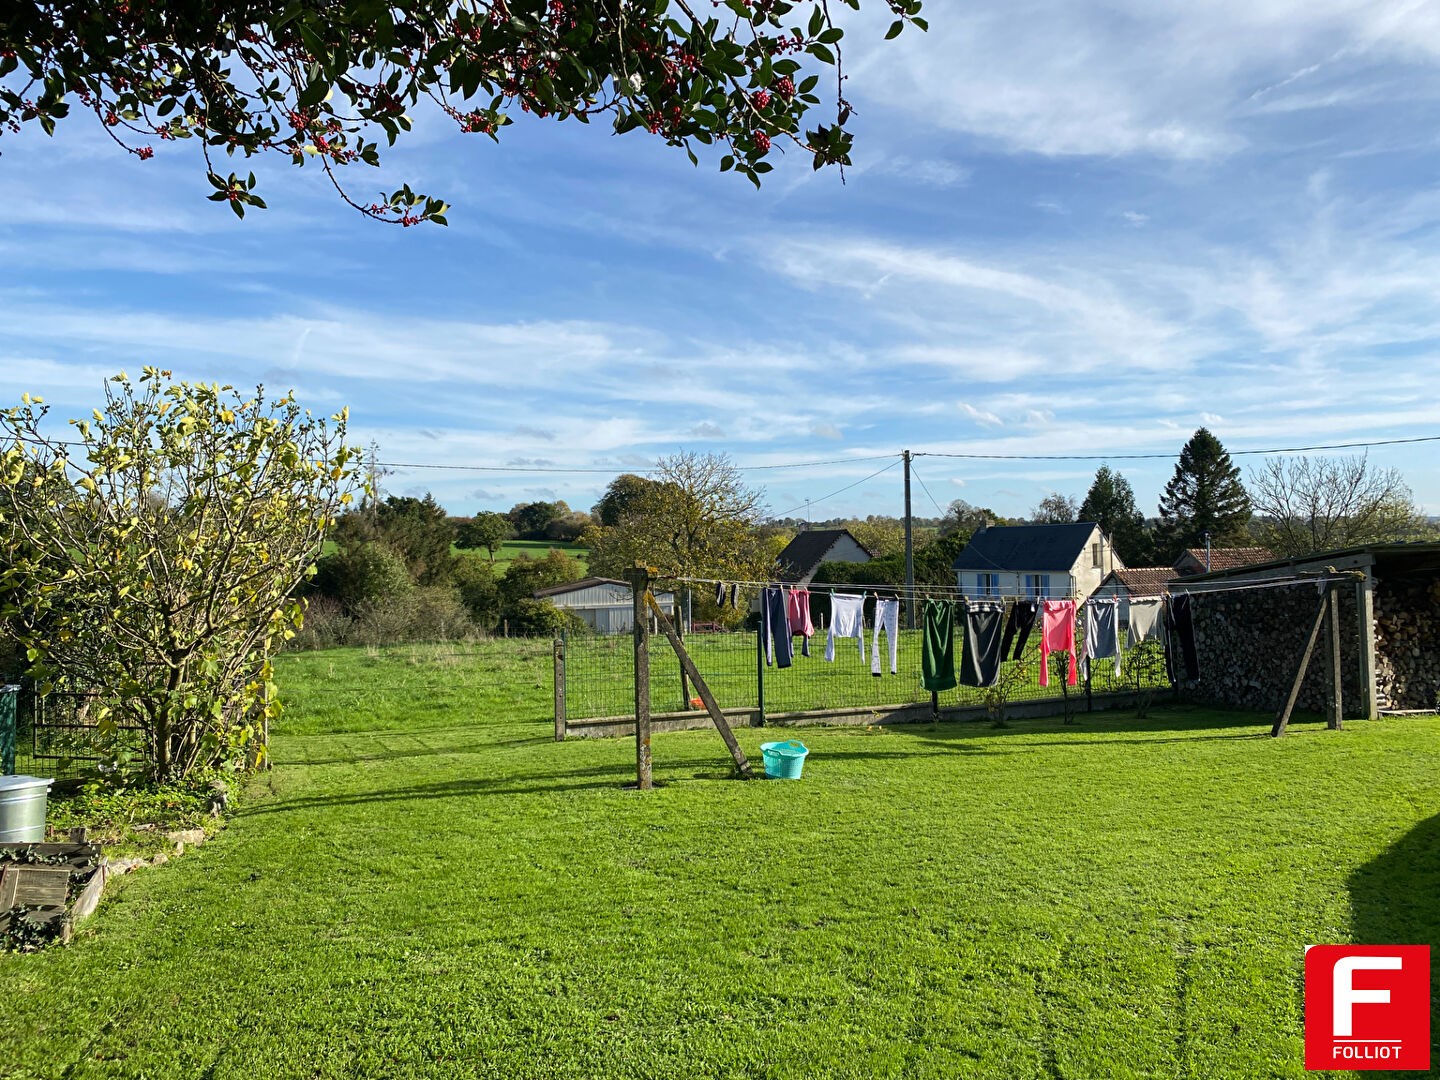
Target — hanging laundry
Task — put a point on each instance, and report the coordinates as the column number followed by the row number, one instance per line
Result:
column 980, row 666
column 847, row 620
column 887, row 618
column 1182, row 622
column 1102, row 631
column 1145, row 624
column 937, row 655
column 719, row 594
column 797, row 607
column 1057, row 634
column 1018, row 627
column 775, row 628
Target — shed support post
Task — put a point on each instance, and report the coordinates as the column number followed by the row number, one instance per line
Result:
column 1282, row 719
column 1333, row 673
column 1369, row 706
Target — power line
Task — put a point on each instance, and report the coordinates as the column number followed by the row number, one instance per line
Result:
column 925, row 489
column 1168, row 457
column 611, row 471
column 840, row 491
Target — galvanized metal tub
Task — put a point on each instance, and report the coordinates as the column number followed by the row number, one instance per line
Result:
column 22, row 809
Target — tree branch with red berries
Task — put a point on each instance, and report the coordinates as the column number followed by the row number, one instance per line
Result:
column 324, row 81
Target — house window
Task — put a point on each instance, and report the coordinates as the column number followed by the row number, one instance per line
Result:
column 987, row 584
column 1037, row 585
column 1095, row 559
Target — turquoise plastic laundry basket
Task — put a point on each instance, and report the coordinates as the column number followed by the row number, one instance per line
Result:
column 784, row 760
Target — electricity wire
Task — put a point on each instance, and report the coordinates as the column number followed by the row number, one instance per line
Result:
column 1171, row 456
column 925, row 489
column 840, row 491
column 612, row 471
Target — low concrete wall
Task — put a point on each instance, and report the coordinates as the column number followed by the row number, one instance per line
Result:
column 618, row 726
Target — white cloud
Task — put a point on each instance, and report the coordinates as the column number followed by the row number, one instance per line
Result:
column 1131, row 77
column 981, row 416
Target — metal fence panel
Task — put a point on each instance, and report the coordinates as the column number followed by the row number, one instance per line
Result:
column 599, row 676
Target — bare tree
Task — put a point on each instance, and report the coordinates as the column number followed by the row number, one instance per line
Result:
column 1055, row 509
column 1315, row 504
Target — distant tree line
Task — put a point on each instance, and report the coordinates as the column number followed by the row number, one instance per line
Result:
column 402, row 569
column 1293, row 506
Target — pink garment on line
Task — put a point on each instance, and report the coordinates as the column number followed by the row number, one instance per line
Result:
column 1057, row 634
column 797, row 606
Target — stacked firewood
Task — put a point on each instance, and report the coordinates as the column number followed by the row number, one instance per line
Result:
column 1250, row 642
column 1407, row 643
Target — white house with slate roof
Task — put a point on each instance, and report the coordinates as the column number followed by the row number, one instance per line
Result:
column 1064, row 562
column 803, row 555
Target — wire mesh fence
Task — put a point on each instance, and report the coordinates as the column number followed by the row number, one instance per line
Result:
column 57, row 735
column 599, row 676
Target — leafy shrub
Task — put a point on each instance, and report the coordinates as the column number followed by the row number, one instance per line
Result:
column 362, row 574
column 479, row 591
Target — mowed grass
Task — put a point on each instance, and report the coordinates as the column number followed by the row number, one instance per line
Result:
column 426, row 885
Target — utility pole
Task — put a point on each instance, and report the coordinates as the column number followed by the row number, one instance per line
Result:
column 909, row 551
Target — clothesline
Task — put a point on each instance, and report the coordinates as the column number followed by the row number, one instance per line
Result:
column 926, row 591
column 920, row 591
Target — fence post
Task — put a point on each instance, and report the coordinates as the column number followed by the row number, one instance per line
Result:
column 560, row 687
column 639, row 586
column 680, row 633
column 760, row 673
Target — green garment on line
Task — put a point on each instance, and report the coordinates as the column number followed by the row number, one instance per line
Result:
column 937, row 658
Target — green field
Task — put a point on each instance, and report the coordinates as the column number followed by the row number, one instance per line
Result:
column 535, row 549
column 427, row 886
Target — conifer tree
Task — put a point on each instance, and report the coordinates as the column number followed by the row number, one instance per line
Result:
column 1204, row 496
column 1110, row 503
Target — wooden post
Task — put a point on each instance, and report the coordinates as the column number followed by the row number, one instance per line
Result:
column 760, row 673
column 742, row 764
column 560, row 688
column 1282, row 718
column 680, row 631
column 639, row 589
column 1365, row 615
column 1332, row 661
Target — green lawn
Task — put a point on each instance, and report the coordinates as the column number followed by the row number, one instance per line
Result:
column 427, row 886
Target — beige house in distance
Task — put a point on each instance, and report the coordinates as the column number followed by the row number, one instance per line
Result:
column 1063, row 562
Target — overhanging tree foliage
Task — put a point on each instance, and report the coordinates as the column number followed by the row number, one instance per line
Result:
column 155, row 550
column 325, row 80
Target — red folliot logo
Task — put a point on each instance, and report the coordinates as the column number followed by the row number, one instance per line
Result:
column 1367, row 1007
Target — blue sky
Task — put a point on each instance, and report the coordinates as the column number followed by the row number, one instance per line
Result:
column 1071, row 228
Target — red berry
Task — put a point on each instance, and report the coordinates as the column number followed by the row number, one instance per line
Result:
column 784, row 87
column 761, row 98
column 762, row 142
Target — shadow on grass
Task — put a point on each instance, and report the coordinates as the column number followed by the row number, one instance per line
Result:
column 1395, row 900
column 600, row 777
column 1188, row 725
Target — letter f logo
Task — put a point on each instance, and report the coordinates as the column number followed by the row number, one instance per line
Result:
column 1345, row 994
